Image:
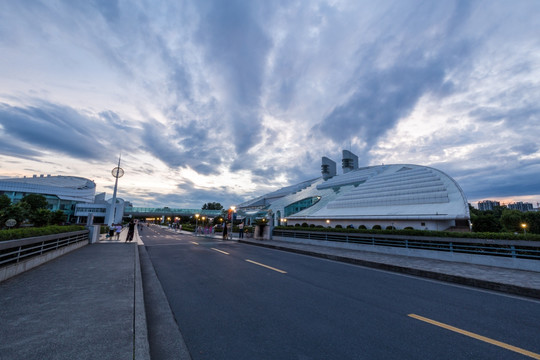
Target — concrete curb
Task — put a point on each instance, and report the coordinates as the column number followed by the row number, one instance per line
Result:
column 483, row 284
column 141, row 347
column 166, row 340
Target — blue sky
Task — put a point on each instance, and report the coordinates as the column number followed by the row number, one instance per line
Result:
column 227, row 100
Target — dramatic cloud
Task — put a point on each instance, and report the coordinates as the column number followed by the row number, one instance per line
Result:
column 226, row 100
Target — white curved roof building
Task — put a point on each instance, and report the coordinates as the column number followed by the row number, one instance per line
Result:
column 63, row 187
column 399, row 195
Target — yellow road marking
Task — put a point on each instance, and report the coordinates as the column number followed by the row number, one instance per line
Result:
column 193, row 242
column 223, row 252
column 266, row 266
column 477, row 337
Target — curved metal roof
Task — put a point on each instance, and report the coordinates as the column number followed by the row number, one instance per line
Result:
column 400, row 191
column 64, row 187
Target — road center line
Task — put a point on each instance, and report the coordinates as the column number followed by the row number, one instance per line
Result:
column 221, row 251
column 266, row 266
column 193, row 242
column 477, row 337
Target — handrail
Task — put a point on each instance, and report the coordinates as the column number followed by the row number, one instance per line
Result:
column 506, row 248
column 14, row 251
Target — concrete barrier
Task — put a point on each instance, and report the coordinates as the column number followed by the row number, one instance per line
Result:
column 9, row 271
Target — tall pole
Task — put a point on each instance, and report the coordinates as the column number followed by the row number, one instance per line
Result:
column 113, row 204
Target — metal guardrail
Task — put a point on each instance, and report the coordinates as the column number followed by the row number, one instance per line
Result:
column 14, row 251
column 505, row 248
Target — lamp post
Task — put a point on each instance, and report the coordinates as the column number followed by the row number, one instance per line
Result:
column 524, row 226
column 197, row 224
column 233, row 209
column 117, row 173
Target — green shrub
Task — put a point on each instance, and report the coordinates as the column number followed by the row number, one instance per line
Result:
column 23, row 233
column 376, row 227
column 351, row 226
column 339, row 227
column 362, row 227
column 304, row 225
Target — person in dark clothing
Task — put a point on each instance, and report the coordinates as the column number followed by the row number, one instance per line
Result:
column 225, row 231
column 131, row 231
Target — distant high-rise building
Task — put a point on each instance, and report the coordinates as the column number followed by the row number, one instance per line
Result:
column 521, row 206
column 488, row 205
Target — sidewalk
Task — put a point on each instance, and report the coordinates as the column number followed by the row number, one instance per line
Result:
column 86, row 304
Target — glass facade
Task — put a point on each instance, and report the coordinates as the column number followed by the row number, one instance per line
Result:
column 300, row 205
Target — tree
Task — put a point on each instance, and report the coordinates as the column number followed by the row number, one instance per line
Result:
column 5, row 201
column 40, row 217
column 212, row 206
column 35, row 201
column 19, row 212
column 57, row 217
column 511, row 220
column 486, row 223
column 532, row 219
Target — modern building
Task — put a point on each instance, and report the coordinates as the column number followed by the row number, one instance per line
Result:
column 75, row 196
column 399, row 196
column 62, row 192
column 521, row 206
column 99, row 210
column 488, row 205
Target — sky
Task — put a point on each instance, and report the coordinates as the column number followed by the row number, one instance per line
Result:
column 224, row 101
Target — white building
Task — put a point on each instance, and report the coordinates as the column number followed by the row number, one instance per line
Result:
column 75, row 196
column 399, row 196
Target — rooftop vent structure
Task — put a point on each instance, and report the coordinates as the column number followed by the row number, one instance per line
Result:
column 328, row 168
column 349, row 161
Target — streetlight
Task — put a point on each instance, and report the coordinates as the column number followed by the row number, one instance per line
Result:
column 233, row 209
column 197, row 224
column 524, row 226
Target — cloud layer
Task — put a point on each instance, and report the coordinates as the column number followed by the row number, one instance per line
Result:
column 222, row 101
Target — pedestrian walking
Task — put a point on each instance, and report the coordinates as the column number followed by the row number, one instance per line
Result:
column 118, row 230
column 224, row 231
column 131, row 231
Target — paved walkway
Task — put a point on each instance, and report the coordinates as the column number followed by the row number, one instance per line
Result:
column 82, row 305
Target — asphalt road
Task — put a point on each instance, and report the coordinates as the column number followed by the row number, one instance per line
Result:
column 237, row 301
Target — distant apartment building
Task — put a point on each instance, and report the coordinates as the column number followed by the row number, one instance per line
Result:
column 521, row 206
column 488, row 205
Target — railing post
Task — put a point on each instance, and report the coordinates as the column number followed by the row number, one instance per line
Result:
column 513, row 248
column 406, row 243
column 451, row 247
column 19, row 253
